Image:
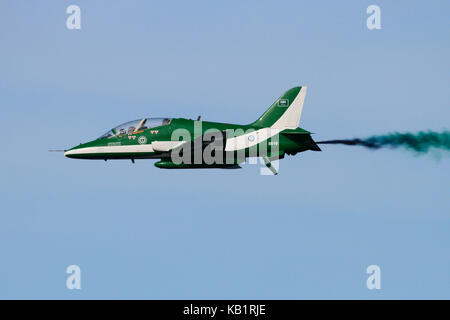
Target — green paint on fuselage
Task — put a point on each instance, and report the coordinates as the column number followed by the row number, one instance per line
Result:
column 290, row 141
column 187, row 144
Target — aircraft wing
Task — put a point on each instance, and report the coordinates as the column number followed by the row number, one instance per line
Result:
column 166, row 146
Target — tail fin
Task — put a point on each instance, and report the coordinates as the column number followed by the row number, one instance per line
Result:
column 285, row 112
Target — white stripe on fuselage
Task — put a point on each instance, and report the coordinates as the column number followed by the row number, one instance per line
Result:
column 250, row 139
column 155, row 146
column 247, row 140
column 111, row 149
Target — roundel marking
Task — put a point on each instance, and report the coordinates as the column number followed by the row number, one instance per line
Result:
column 251, row 138
column 142, row 140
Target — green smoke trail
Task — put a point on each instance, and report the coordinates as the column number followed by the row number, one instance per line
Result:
column 420, row 142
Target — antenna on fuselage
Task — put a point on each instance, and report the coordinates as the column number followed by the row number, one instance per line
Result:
column 198, row 118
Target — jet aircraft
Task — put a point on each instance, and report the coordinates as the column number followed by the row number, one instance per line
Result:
column 181, row 143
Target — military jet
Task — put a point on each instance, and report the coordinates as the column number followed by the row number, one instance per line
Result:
column 181, row 143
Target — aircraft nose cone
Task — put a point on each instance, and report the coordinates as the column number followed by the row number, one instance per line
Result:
column 77, row 152
column 68, row 154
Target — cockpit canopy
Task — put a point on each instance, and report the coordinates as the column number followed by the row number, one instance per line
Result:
column 136, row 126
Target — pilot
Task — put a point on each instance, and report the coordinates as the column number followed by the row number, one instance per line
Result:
column 131, row 130
column 122, row 132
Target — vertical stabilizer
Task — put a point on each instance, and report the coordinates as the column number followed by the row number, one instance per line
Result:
column 285, row 112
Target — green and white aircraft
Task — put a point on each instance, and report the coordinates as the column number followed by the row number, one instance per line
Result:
column 190, row 144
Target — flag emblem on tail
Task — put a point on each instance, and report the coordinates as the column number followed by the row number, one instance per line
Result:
column 283, row 102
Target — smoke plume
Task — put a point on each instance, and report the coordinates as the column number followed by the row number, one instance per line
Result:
column 420, row 142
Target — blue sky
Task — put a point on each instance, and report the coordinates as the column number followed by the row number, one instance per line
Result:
column 140, row 232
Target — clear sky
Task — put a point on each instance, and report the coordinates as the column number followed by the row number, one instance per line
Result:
column 140, row 232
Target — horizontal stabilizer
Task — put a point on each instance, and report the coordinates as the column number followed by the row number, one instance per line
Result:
column 302, row 138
